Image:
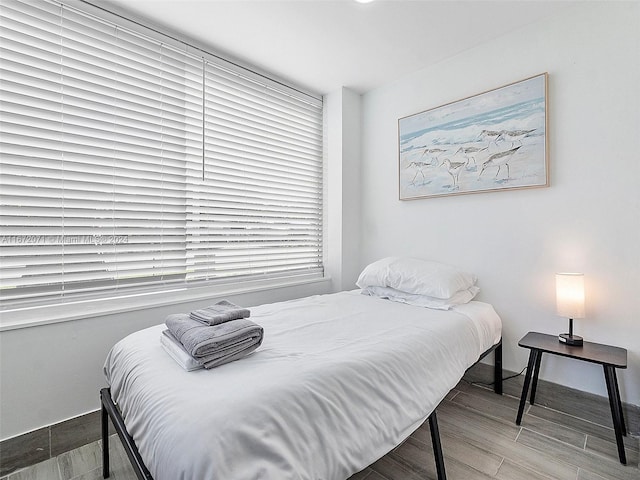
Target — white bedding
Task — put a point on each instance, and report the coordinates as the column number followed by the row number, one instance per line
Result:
column 338, row 382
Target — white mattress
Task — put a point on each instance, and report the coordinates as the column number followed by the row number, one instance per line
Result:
column 338, row 382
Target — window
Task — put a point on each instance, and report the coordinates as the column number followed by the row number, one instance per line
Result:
column 131, row 162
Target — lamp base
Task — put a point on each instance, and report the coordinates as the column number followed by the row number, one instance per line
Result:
column 569, row 339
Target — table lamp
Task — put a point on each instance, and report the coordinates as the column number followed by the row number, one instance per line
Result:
column 570, row 303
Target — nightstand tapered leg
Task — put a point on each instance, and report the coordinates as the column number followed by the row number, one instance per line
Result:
column 533, row 357
column 616, row 410
column 534, row 381
column 617, row 396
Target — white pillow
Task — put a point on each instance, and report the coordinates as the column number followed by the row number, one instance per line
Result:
column 413, row 275
column 463, row 296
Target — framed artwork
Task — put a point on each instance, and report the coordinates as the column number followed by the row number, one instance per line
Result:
column 495, row 140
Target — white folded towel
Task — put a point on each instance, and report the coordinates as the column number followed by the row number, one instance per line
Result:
column 175, row 349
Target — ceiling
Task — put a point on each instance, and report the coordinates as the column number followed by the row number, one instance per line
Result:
column 323, row 45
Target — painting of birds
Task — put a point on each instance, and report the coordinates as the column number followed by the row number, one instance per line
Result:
column 447, row 150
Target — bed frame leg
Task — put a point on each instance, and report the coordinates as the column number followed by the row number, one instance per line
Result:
column 105, row 438
column 497, row 369
column 437, row 447
column 110, row 411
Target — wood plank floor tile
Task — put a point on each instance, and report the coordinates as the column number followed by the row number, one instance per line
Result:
column 416, row 456
column 419, row 457
column 392, row 469
column 80, row 460
column 541, row 462
column 120, row 467
column 95, row 474
column 47, row 470
column 554, row 430
column 608, row 467
column 592, row 407
column 456, row 469
column 375, row 476
column 482, row 423
column 488, row 394
column 461, row 450
column 586, row 475
column 464, row 425
column 469, row 423
column 496, row 409
column 585, row 426
column 511, row 471
column 496, row 445
column 596, row 412
column 451, row 395
column 610, row 449
column 469, row 433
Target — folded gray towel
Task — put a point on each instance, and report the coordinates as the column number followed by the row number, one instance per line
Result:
column 221, row 312
column 217, row 344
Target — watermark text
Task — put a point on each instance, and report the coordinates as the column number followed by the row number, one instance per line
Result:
column 63, row 239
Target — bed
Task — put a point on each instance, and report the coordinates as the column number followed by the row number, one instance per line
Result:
column 339, row 381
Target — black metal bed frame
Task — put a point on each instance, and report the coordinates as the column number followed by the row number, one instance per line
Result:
column 110, row 410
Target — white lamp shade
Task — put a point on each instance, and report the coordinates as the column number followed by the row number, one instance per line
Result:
column 570, row 295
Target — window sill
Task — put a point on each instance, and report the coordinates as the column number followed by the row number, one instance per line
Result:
column 82, row 309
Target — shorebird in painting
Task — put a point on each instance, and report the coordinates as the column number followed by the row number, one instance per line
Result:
column 470, row 154
column 420, row 166
column 491, row 138
column 514, row 136
column 489, row 134
column 498, row 160
column 454, row 169
column 434, row 153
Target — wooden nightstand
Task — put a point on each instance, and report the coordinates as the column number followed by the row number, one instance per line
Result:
column 609, row 357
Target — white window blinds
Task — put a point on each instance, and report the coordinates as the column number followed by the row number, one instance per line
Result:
column 127, row 162
column 258, row 208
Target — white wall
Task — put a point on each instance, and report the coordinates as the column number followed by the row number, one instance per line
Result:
column 588, row 220
column 342, row 192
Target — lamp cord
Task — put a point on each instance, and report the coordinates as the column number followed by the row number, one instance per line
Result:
column 503, row 379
